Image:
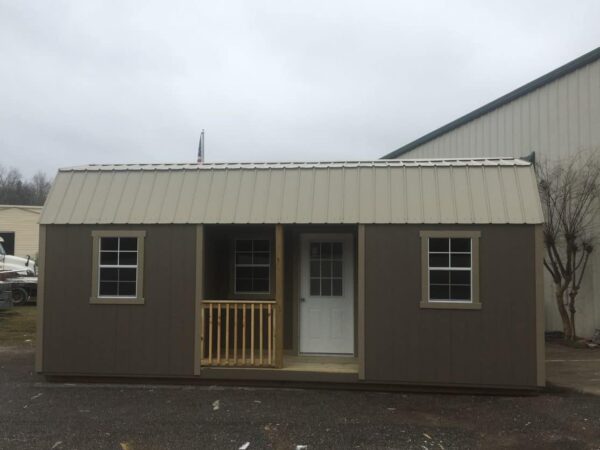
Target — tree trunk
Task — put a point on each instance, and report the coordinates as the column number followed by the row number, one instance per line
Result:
column 564, row 315
column 572, row 296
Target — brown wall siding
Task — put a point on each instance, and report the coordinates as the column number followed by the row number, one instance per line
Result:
column 156, row 338
column 493, row 346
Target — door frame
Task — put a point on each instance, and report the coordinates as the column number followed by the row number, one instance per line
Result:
column 301, row 272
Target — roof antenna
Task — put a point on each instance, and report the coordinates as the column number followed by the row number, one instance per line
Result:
column 201, row 148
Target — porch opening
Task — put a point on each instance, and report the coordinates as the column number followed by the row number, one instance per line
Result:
column 260, row 308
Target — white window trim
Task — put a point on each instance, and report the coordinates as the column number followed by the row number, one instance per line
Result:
column 138, row 299
column 426, row 302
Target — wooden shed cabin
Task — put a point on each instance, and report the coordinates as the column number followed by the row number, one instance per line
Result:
column 387, row 272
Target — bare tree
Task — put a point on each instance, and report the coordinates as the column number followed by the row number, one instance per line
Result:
column 15, row 190
column 570, row 192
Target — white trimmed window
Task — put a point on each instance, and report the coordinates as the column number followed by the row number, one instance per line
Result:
column 252, row 270
column 118, row 267
column 450, row 269
column 450, row 263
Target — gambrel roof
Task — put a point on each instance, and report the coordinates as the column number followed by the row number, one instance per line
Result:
column 437, row 191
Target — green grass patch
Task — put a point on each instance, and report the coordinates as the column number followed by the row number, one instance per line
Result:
column 17, row 325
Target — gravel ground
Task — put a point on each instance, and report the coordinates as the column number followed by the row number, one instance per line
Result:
column 36, row 414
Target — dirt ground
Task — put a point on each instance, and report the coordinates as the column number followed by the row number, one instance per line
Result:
column 37, row 414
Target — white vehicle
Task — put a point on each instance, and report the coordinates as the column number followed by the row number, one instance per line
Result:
column 18, row 277
column 11, row 263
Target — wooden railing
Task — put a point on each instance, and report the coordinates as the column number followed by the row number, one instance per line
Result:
column 239, row 333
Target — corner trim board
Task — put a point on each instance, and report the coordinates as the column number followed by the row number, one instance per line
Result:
column 361, row 300
column 39, row 341
column 198, row 344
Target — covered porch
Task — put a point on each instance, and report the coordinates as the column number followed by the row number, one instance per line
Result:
column 278, row 298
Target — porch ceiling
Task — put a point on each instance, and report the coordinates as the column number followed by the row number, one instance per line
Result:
column 481, row 191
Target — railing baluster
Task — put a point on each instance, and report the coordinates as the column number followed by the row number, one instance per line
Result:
column 221, row 344
column 244, row 334
column 235, row 331
column 227, row 334
column 260, row 334
column 269, row 342
column 252, row 334
column 275, row 331
column 218, row 334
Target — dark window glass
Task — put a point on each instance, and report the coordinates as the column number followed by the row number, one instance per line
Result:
column 109, row 274
column 244, row 272
column 261, row 272
column 128, row 244
column 336, row 269
column 107, row 243
column 252, row 265
column 109, row 258
column 261, row 258
column 260, row 285
column 115, row 277
column 127, row 274
column 460, row 245
column 438, row 245
column 439, row 292
column 315, row 269
column 460, row 260
column 127, row 289
column 452, row 253
column 127, row 258
column 243, row 258
column 460, row 292
column 326, row 269
column 243, row 285
column 315, row 287
column 108, row 287
column 438, row 260
column 460, row 277
column 439, row 276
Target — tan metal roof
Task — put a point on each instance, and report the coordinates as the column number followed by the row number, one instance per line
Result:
column 463, row 191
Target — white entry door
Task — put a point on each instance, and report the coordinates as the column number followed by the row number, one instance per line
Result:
column 327, row 294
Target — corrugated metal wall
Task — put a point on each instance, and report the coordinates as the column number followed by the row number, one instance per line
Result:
column 24, row 223
column 555, row 121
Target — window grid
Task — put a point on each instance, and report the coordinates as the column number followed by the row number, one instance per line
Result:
column 252, row 268
column 326, row 269
column 460, row 276
column 118, row 267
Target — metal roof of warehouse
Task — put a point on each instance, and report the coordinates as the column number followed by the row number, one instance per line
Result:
column 433, row 191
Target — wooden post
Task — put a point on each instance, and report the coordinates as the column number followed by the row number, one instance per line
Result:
column 279, row 294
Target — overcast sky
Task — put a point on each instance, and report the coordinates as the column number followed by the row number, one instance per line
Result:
column 135, row 81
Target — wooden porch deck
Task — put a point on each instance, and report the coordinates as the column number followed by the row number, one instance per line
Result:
column 301, row 363
column 318, row 363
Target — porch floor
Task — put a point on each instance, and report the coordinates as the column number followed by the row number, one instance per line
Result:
column 318, row 363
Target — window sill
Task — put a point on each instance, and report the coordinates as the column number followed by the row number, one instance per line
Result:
column 449, row 305
column 116, row 301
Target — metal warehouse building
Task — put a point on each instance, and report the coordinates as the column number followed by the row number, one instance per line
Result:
column 554, row 116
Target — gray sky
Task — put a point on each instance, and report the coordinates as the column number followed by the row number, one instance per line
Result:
column 131, row 81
